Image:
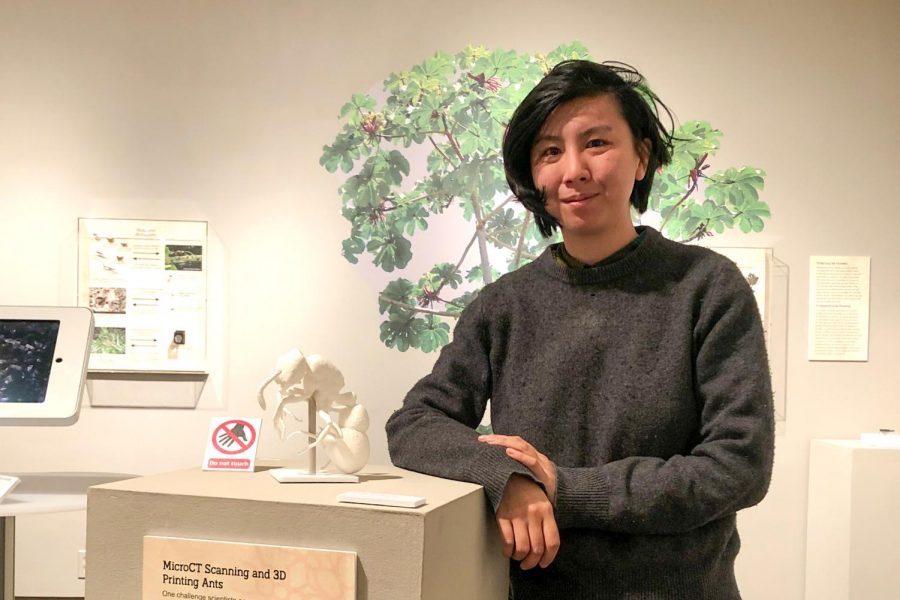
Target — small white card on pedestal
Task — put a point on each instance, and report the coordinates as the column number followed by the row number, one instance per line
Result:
column 231, row 444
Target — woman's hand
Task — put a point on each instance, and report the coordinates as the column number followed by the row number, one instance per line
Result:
column 520, row 450
column 527, row 525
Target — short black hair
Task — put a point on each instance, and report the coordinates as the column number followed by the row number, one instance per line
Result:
column 568, row 81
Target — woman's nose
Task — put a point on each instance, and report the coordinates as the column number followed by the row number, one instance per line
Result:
column 575, row 168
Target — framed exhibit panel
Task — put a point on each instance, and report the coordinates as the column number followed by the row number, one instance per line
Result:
column 146, row 282
column 768, row 277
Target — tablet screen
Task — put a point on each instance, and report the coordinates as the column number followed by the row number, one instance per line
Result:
column 26, row 356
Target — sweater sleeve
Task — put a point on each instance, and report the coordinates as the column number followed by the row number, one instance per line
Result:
column 730, row 466
column 434, row 431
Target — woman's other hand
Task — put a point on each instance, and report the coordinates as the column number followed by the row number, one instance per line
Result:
column 527, row 525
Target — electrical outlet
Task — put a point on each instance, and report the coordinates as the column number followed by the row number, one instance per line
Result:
column 82, row 560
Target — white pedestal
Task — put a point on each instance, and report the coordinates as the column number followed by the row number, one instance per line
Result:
column 448, row 549
column 853, row 526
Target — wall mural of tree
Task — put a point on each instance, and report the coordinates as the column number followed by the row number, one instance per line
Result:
column 446, row 116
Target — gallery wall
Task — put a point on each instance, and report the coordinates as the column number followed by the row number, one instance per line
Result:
column 218, row 111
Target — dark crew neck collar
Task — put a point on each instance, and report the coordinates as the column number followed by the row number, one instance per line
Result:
column 620, row 263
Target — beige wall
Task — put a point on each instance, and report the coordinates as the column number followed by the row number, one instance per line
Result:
column 218, row 111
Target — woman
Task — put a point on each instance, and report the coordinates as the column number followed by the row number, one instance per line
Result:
column 629, row 385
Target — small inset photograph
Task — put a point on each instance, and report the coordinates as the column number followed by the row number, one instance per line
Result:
column 108, row 340
column 184, row 258
column 108, row 299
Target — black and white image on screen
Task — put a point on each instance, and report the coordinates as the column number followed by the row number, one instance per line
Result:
column 26, row 356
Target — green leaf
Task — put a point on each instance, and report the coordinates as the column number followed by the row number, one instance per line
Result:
column 575, row 50
column 352, row 247
column 390, row 251
column 457, row 304
column 675, row 226
column 476, row 274
column 447, row 274
column 470, row 55
column 426, row 115
column 347, row 147
column 414, row 217
column 439, row 66
column 398, row 162
column 505, row 226
column 738, row 189
column 692, row 141
column 400, row 290
column 434, row 334
column 401, row 331
column 751, row 217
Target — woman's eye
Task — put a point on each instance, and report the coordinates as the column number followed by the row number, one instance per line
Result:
column 546, row 154
column 596, row 143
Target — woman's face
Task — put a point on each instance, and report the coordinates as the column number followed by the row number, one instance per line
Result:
column 585, row 160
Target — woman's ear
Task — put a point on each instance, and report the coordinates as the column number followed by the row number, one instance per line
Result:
column 643, row 152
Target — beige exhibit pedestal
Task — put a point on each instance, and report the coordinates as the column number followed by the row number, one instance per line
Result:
column 447, row 549
column 853, row 527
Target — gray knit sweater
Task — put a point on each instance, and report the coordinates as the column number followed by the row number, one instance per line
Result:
column 646, row 381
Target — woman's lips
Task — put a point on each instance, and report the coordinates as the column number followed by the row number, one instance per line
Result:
column 580, row 199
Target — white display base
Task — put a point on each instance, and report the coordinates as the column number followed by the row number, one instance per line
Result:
column 852, row 528
column 304, row 476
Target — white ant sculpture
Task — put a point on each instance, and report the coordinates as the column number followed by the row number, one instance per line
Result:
column 345, row 442
column 318, row 382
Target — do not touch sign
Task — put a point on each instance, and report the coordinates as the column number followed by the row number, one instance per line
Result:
column 231, row 444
